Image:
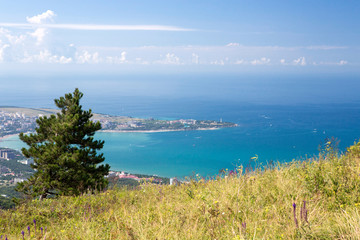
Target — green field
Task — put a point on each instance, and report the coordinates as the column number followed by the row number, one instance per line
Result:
column 31, row 112
column 34, row 112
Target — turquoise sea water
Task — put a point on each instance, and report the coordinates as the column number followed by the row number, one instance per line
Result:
column 273, row 133
column 279, row 120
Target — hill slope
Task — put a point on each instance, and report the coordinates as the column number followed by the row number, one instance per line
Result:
column 265, row 204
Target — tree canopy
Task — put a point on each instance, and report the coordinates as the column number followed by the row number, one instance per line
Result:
column 65, row 152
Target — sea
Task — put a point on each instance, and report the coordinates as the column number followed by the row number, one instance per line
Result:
column 280, row 117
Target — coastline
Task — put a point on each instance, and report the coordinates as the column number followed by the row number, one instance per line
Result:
column 132, row 131
column 156, row 131
column 7, row 136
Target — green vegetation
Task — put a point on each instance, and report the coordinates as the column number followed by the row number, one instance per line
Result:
column 65, row 152
column 16, row 167
column 6, row 196
column 312, row 199
column 131, row 183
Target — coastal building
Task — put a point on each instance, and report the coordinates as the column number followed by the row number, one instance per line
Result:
column 18, row 180
column 24, row 161
column 174, row 181
column 4, row 154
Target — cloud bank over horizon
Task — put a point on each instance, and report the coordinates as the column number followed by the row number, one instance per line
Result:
column 32, row 43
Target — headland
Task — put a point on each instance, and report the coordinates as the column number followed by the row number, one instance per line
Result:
column 14, row 120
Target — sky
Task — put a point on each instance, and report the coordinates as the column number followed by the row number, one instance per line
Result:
column 171, row 36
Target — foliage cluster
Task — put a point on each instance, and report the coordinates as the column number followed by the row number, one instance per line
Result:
column 64, row 152
column 9, row 192
column 312, row 199
column 6, row 203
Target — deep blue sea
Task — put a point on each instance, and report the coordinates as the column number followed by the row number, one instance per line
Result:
column 280, row 117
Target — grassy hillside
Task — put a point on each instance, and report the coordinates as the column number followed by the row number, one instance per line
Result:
column 264, row 204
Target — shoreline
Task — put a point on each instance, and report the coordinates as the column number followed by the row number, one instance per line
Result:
column 156, row 131
column 7, row 136
column 133, row 131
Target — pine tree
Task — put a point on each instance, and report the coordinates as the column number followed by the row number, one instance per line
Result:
column 65, row 152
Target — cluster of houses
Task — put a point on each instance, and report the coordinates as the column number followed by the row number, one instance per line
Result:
column 143, row 124
column 11, row 123
column 183, row 121
column 10, row 154
column 8, row 176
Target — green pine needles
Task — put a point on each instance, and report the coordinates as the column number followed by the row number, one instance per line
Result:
column 65, row 152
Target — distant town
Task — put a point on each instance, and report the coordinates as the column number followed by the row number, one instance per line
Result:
column 14, row 167
column 14, row 123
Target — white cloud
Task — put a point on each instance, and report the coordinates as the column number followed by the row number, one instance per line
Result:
column 123, row 56
column 45, row 56
column 170, row 58
column 96, row 27
column 27, row 46
column 239, row 62
column 86, row 57
column 45, row 20
column 195, row 58
column 65, row 60
column 300, row 61
column 6, row 35
column 233, row 45
column 30, row 43
column 2, row 51
column 41, row 18
column 117, row 59
column 340, row 63
column 139, row 60
column 343, row 62
column 39, row 34
column 260, row 61
column 218, row 62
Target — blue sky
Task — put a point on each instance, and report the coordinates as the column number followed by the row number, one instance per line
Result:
column 239, row 36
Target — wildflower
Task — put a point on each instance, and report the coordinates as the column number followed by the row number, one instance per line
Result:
column 303, row 212
column 232, row 173
column 28, row 229
column 295, row 219
column 244, row 226
column 23, row 233
column 34, row 221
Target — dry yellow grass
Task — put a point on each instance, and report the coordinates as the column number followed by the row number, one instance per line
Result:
column 258, row 205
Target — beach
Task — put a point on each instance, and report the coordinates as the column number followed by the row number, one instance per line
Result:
column 7, row 136
column 156, row 131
